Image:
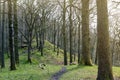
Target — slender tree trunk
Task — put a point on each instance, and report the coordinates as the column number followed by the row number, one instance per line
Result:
column 29, row 46
column 71, row 32
column 103, row 45
column 29, row 52
column 54, row 34
column 16, row 32
column 7, row 35
column 58, row 40
column 37, row 36
column 74, row 45
column 36, row 33
column 85, row 33
column 79, row 42
column 0, row 36
column 2, row 54
column 41, row 47
column 12, row 55
column 64, row 33
column 42, row 42
column 42, row 36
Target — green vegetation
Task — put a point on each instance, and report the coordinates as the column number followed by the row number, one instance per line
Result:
column 26, row 71
column 29, row 72
column 53, row 63
column 85, row 72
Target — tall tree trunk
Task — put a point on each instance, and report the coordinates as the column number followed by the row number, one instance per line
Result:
column 3, row 21
column 40, row 41
column 0, row 35
column 16, row 32
column 85, row 33
column 42, row 35
column 71, row 32
column 7, row 35
column 29, row 45
column 79, row 41
column 74, row 45
column 64, row 33
column 12, row 55
column 58, row 39
column 21, row 36
column 103, row 46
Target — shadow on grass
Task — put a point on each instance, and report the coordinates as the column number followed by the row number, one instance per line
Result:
column 75, row 68
column 64, row 70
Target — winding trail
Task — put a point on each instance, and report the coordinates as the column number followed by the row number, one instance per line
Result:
column 57, row 75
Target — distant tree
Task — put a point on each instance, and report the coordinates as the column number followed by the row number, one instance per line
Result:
column 79, row 38
column 103, row 45
column 58, row 38
column 30, row 18
column 85, row 33
column 63, row 30
column 54, row 34
column 78, row 15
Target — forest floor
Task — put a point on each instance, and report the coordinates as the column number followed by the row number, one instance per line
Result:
column 82, row 72
column 53, row 69
column 57, row 75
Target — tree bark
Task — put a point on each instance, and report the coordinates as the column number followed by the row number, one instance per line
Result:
column 16, row 32
column 58, row 40
column 71, row 32
column 54, row 35
column 85, row 33
column 12, row 55
column 2, row 54
column 103, row 46
column 64, row 33
column 29, row 52
column 79, row 38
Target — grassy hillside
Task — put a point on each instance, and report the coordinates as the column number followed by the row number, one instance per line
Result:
column 53, row 64
column 26, row 71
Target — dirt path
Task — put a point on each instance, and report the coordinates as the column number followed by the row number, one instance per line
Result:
column 57, row 75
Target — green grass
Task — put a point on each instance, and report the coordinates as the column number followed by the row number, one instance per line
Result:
column 29, row 72
column 116, row 71
column 85, row 72
column 33, row 71
column 26, row 71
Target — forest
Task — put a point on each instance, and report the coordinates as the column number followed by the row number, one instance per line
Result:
column 59, row 39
